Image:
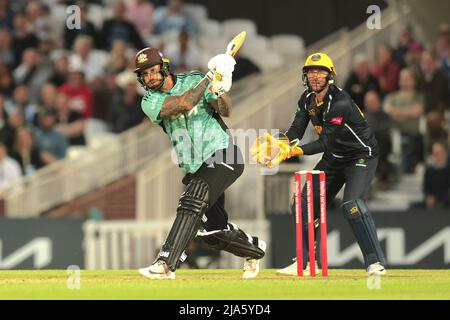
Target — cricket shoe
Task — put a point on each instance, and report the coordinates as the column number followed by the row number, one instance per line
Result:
column 376, row 269
column 158, row 271
column 291, row 270
column 251, row 266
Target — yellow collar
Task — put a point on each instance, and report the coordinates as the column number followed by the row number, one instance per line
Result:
column 318, row 103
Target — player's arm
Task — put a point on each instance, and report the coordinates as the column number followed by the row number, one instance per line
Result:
column 223, row 64
column 300, row 122
column 337, row 118
column 223, row 105
column 175, row 105
column 217, row 96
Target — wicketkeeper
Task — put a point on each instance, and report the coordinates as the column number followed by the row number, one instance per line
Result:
column 350, row 156
column 189, row 108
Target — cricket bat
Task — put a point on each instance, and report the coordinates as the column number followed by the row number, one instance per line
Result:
column 232, row 48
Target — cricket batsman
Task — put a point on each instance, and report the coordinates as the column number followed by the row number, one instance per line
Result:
column 189, row 107
column 350, row 156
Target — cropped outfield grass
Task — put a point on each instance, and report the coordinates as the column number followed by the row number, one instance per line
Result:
column 225, row 284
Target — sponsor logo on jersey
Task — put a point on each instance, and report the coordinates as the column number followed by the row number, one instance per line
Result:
column 337, row 120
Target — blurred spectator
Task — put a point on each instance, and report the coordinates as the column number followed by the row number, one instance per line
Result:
column 124, row 114
column 21, row 100
column 443, row 48
column 174, row 17
column 32, row 71
column 413, row 57
column 244, row 67
column 433, row 83
column 405, row 108
column 69, row 123
column 118, row 28
column 436, row 129
column 60, row 69
column 27, row 154
column 22, row 38
column 118, row 60
column 3, row 119
column 386, row 69
column 3, row 113
column 140, row 13
column 46, row 48
column 436, row 185
column 19, row 5
column 6, row 52
column 405, row 43
column 16, row 120
column 9, row 168
column 87, row 28
column 380, row 123
column 6, row 81
column 47, row 138
column 435, row 86
column 185, row 55
column 39, row 18
column 86, row 59
column 361, row 80
column 79, row 94
column 47, row 98
column 6, row 15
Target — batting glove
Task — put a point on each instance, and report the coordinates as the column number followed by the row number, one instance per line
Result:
column 219, row 87
column 222, row 63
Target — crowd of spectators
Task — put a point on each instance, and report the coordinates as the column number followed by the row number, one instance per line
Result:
column 55, row 78
column 406, row 90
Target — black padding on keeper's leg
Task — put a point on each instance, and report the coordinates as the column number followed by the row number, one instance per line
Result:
column 358, row 215
column 193, row 204
column 235, row 241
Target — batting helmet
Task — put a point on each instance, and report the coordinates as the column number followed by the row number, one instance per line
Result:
column 148, row 57
column 319, row 60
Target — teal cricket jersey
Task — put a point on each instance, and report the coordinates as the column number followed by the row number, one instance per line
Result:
column 195, row 135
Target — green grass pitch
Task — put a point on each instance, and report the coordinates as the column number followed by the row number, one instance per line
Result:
column 224, row 285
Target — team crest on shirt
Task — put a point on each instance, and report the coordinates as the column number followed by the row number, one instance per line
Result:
column 312, row 112
column 354, row 210
column 361, row 163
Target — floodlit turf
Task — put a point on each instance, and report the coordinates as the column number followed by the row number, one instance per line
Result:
column 225, row 284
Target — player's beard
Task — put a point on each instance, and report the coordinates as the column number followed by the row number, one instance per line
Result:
column 317, row 86
column 155, row 84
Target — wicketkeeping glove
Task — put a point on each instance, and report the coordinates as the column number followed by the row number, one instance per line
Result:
column 270, row 151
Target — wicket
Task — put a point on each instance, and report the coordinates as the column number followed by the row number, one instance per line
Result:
column 310, row 220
